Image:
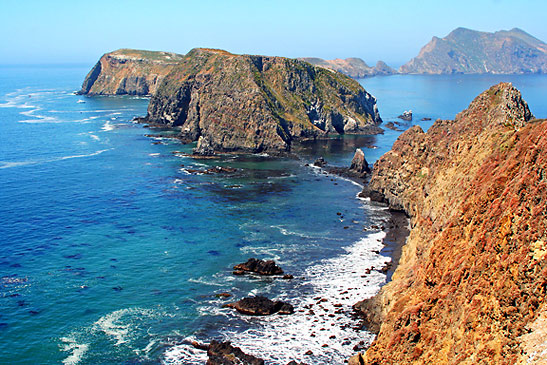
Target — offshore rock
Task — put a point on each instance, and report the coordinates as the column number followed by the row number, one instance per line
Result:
column 359, row 164
column 260, row 267
column 471, row 52
column 223, row 353
column 320, row 162
column 471, row 281
column 129, row 71
column 244, row 103
column 261, row 306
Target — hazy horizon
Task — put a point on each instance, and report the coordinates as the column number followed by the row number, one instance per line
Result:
column 62, row 32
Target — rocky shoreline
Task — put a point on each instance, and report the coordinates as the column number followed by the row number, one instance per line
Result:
column 396, row 230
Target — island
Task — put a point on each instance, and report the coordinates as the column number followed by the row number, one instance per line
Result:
column 353, row 67
column 466, row 51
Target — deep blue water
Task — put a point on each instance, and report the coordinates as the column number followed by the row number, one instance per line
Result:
column 111, row 252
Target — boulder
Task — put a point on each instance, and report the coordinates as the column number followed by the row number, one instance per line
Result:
column 257, row 266
column 261, row 306
column 223, row 353
column 320, row 162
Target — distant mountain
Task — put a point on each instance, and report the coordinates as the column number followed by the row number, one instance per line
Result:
column 353, row 67
column 471, row 52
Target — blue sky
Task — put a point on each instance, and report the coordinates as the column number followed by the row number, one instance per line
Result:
column 76, row 31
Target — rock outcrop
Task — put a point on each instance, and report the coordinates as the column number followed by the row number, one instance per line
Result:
column 353, row 67
column 223, row 353
column 261, row 306
column 472, row 279
column 471, row 52
column 359, row 164
column 246, row 103
column 129, row 71
column 257, row 266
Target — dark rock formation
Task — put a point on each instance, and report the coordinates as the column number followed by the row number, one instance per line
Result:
column 353, row 67
column 320, row 162
column 392, row 126
column 471, row 52
column 470, row 285
column 223, row 353
column 260, row 267
column 129, row 71
column 407, row 115
column 246, row 103
column 261, row 306
column 359, row 164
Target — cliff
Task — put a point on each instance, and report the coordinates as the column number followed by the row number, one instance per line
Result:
column 129, row 71
column 472, row 52
column 471, row 282
column 247, row 103
column 353, row 67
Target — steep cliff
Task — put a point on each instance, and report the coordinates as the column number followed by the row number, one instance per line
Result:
column 352, row 67
column 249, row 103
column 472, row 52
column 129, row 71
column 471, row 282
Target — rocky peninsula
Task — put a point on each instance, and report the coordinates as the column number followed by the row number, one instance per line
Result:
column 129, row 72
column 471, row 282
column 244, row 103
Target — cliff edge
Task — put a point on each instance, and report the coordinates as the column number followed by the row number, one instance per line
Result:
column 248, row 103
column 471, row 282
column 129, row 71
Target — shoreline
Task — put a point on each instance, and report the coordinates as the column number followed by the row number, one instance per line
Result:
column 346, row 275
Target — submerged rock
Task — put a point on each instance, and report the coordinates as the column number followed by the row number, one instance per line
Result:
column 258, row 266
column 261, row 306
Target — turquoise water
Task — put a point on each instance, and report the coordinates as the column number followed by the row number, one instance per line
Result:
column 111, row 252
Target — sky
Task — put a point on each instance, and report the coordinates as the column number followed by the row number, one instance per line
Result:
column 63, row 32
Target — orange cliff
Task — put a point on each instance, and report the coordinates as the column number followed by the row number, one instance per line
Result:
column 470, row 285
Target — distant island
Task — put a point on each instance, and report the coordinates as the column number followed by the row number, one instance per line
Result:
column 463, row 51
column 353, row 67
column 466, row 51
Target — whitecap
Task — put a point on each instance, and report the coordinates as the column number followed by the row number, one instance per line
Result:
column 77, row 350
column 107, row 127
column 323, row 312
column 8, row 164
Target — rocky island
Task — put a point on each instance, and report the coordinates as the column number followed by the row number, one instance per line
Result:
column 471, row 282
column 471, row 52
column 129, row 71
column 353, row 67
column 244, row 103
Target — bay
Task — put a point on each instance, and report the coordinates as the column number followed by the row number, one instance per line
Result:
column 112, row 251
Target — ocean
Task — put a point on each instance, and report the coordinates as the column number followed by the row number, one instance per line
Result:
column 113, row 249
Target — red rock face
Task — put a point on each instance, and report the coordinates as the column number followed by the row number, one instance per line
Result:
column 473, row 273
